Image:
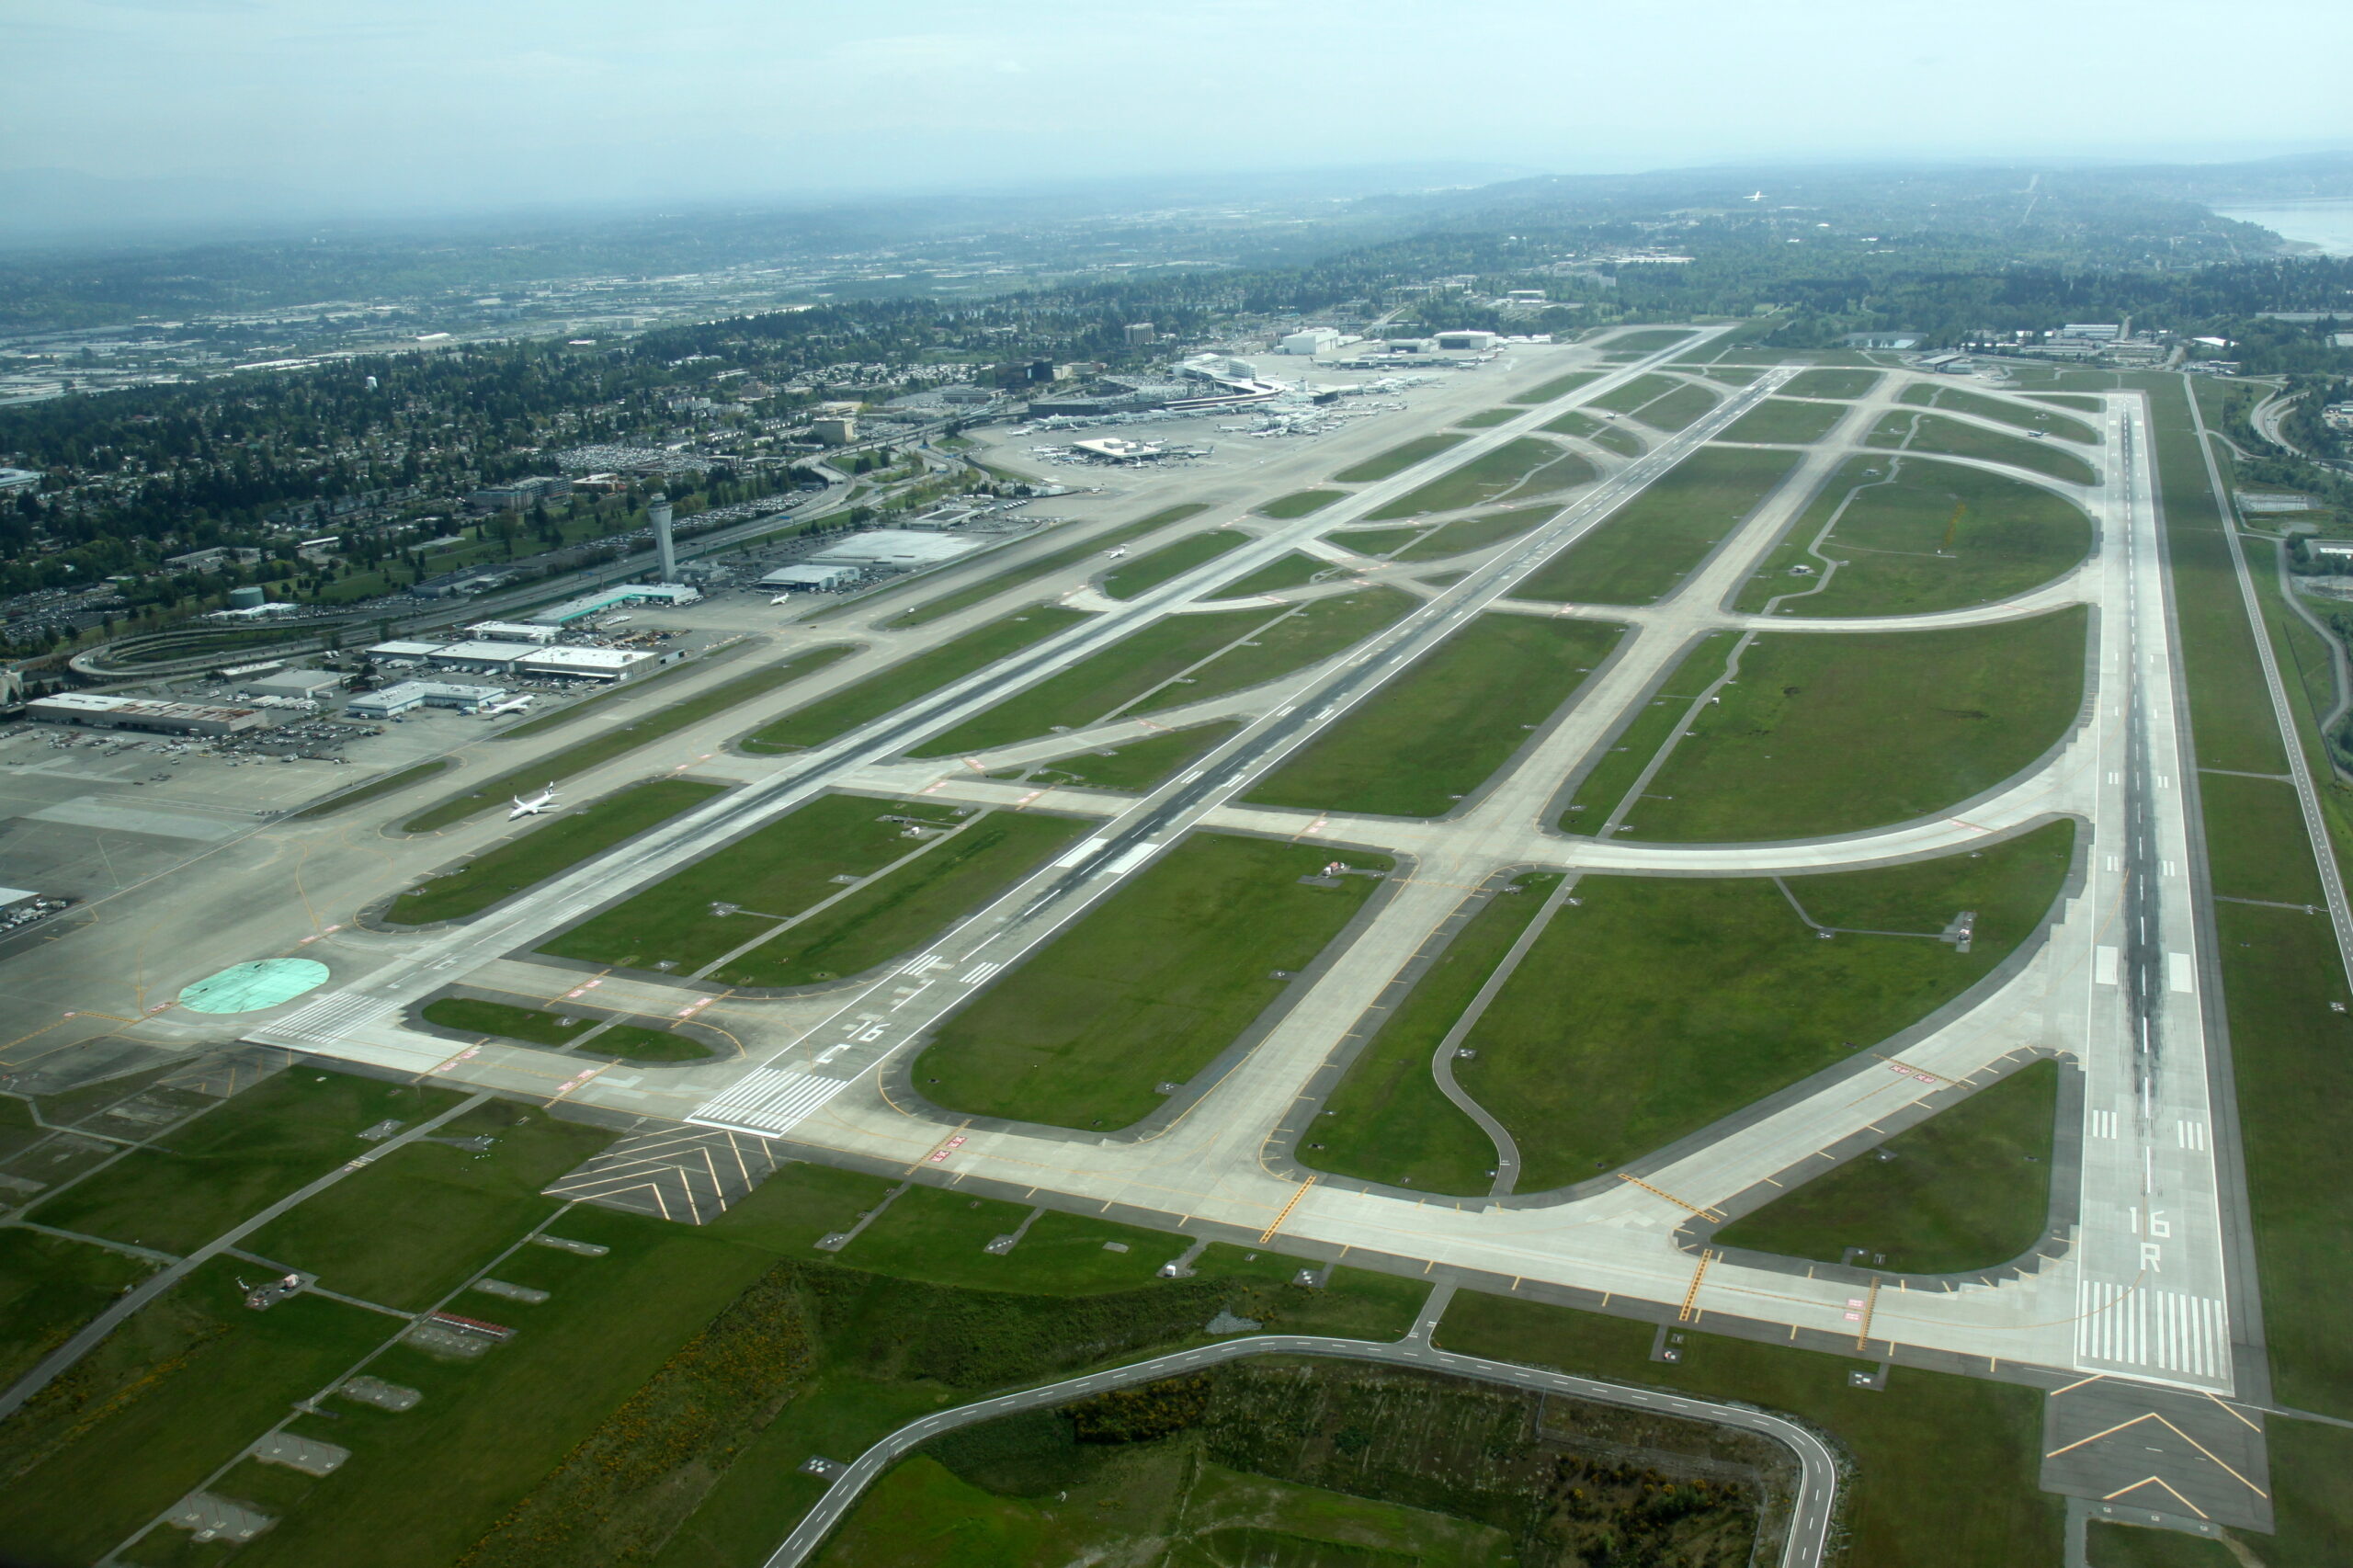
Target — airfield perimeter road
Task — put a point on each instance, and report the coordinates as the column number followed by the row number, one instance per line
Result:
column 2144, row 1292
column 1809, row 1530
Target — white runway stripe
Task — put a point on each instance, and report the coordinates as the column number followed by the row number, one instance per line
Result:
column 766, row 1103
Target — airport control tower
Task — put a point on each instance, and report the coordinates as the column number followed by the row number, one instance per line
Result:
column 659, row 510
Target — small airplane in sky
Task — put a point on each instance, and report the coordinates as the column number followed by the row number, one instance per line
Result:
column 533, row 805
column 1753, row 196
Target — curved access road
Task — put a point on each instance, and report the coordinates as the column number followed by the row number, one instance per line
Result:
column 1809, row 1529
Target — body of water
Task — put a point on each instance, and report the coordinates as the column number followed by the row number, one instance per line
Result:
column 2328, row 224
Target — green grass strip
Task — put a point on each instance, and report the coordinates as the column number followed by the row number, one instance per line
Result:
column 877, row 694
column 770, row 874
column 1387, row 1121
column 1641, row 550
column 1841, row 384
column 1292, row 570
column 1605, row 785
column 2001, row 409
column 1968, row 1188
column 553, row 845
column 630, row 1042
column 1661, row 1005
column 1558, row 387
column 1467, row 534
column 1242, row 647
column 1439, row 730
column 621, row 740
column 1516, row 470
column 1635, row 393
column 1868, row 729
column 1031, row 571
column 368, row 791
column 1607, row 434
column 1645, row 340
column 1398, row 459
column 1678, row 408
column 1300, row 503
column 1487, row 418
column 1919, row 536
column 1146, row 988
column 1139, row 764
column 1171, row 561
column 1953, row 438
column 1782, row 420
column 900, row 912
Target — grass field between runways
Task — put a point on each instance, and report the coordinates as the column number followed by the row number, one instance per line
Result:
column 1915, row 536
column 1678, row 409
column 622, row 739
column 877, row 694
column 547, row 849
column 1648, row 546
column 1517, row 471
column 1175, row 661
column 1955, row 439
column 1969, row 1188
column 820, row 851
column 1171, row 561
column 2065, row 426
column 627, row 1042
column 1867, row 729
column 1656, row 1006
column 1031, row 571
column 1398, row 459
column 1784, row 420
column 1387, row 1120
column 1146, row 987
column 1439, row 730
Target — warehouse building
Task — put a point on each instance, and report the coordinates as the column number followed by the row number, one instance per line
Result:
column 899, row 548
column 592, row 664
column 810, row 579
column 480, row 658
column 510, row 632
column 394, row 701
column 314, row 685
column 404, row 652
column 618, row 597
column 93, row 710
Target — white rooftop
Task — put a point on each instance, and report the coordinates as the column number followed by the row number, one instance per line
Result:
column 893, row 546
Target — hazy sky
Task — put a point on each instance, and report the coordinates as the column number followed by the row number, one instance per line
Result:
column 468, row 101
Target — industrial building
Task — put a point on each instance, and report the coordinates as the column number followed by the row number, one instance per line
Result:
column 394, row 701
column 592, row 664
column 510, row 632
column 618, row 597
column 1312, row 340
column 310, row 683
column 403, row 651
column 478, row 658
column 813, row 579
column 1478, row 341
column 900, row 548
column 838, row 432
column 96, row 711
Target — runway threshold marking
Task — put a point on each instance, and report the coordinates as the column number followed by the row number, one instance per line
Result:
column 1688, row 1208
column 1268, row 1233
column 1871, row 1305
column 1686, row 1312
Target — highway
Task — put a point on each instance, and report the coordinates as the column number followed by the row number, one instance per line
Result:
column 1804, row 1547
